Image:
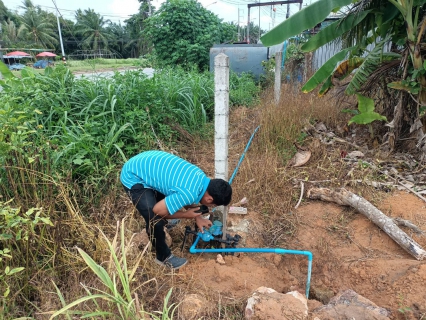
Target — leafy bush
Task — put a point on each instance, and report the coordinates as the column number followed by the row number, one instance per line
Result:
column 183, row 32
column 243, row 90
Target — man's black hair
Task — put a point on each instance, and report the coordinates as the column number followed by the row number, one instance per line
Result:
column 221, row 191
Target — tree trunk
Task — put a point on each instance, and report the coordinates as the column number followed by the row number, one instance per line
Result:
column 347, row 198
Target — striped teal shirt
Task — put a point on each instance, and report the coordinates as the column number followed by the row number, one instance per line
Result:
column 180, row 181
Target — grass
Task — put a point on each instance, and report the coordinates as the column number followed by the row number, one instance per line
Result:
column 97, row 65
column 87, row 125
column 94, row 65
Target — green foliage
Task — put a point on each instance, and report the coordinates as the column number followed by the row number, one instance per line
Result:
column 366, row 112
column 325, row 71
column 183, row 32
column 411, row 84
column 86, row 129
column 119, row 282
column 302, row 20
column 16, row 229
column 333, row 31
column 92, row 27
column 6, row 73
column 368, row 66
column 294, row 52
column 243, row 90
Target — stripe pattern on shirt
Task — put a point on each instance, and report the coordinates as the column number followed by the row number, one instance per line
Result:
column 180, row 181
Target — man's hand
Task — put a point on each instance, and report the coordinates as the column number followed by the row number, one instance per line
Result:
column 191, row 213
column 201, row 223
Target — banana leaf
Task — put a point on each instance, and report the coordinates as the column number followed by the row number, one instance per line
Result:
column 366, row 109
column 333, row 31
column 325, row 87
column 325, row 71
column 304, row 19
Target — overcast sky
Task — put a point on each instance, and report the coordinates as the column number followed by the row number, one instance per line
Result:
column 120, row 10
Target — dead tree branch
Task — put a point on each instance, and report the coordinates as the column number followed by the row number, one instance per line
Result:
column 347, row 198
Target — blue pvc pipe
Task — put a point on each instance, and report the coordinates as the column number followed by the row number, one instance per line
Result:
column 284, row 54
column 193, row 249
column 243, row 155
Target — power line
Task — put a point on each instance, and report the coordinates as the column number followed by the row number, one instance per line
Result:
column 112, row 14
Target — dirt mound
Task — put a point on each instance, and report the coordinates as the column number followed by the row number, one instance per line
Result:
column 349, row 252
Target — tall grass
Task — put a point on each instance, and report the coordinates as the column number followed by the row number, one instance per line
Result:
column 118, row 281
column 62, row 143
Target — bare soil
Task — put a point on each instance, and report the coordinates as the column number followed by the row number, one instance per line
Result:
column 349, row 252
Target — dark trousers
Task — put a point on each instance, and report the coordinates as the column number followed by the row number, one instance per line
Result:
column 144, row 200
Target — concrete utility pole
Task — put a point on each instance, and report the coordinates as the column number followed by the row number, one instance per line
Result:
column 59, row 29
column 248, row 26
column 221, row 123
column 277, row 84
column 1, row 51
column 266, row 4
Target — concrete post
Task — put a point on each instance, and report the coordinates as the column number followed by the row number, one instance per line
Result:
column 277, row 85
column 221, row 123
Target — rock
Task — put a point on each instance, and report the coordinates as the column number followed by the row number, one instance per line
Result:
column 355, row 154
column 266, row 303
column 320, row 127
column 242, row 226
column 321, row 293
column 193, row 306
column 350, row 305
column 314, row 304
column 219, row 259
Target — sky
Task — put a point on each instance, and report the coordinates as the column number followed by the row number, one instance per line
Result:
column 119, row 10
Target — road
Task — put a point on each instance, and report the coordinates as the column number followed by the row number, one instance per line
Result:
column 108, row 74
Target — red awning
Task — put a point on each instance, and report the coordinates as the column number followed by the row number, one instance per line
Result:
column 46, row 54
column 17, row 53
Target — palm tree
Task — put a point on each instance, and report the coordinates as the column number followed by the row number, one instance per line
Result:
column 92, row 27
column 11, row 34
column 27, row 5
column 38, row 28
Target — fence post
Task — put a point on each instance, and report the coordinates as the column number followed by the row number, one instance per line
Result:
column 221, row 123
column 277, row 86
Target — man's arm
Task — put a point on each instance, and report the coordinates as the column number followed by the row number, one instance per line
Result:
column 161, row 209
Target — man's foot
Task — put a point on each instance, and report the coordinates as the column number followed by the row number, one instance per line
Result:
column 172, row 223
column 172, row 262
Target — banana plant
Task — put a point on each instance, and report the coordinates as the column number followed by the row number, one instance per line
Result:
column 365, row 22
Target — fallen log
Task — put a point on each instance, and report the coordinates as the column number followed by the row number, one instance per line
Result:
column 347, row 198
